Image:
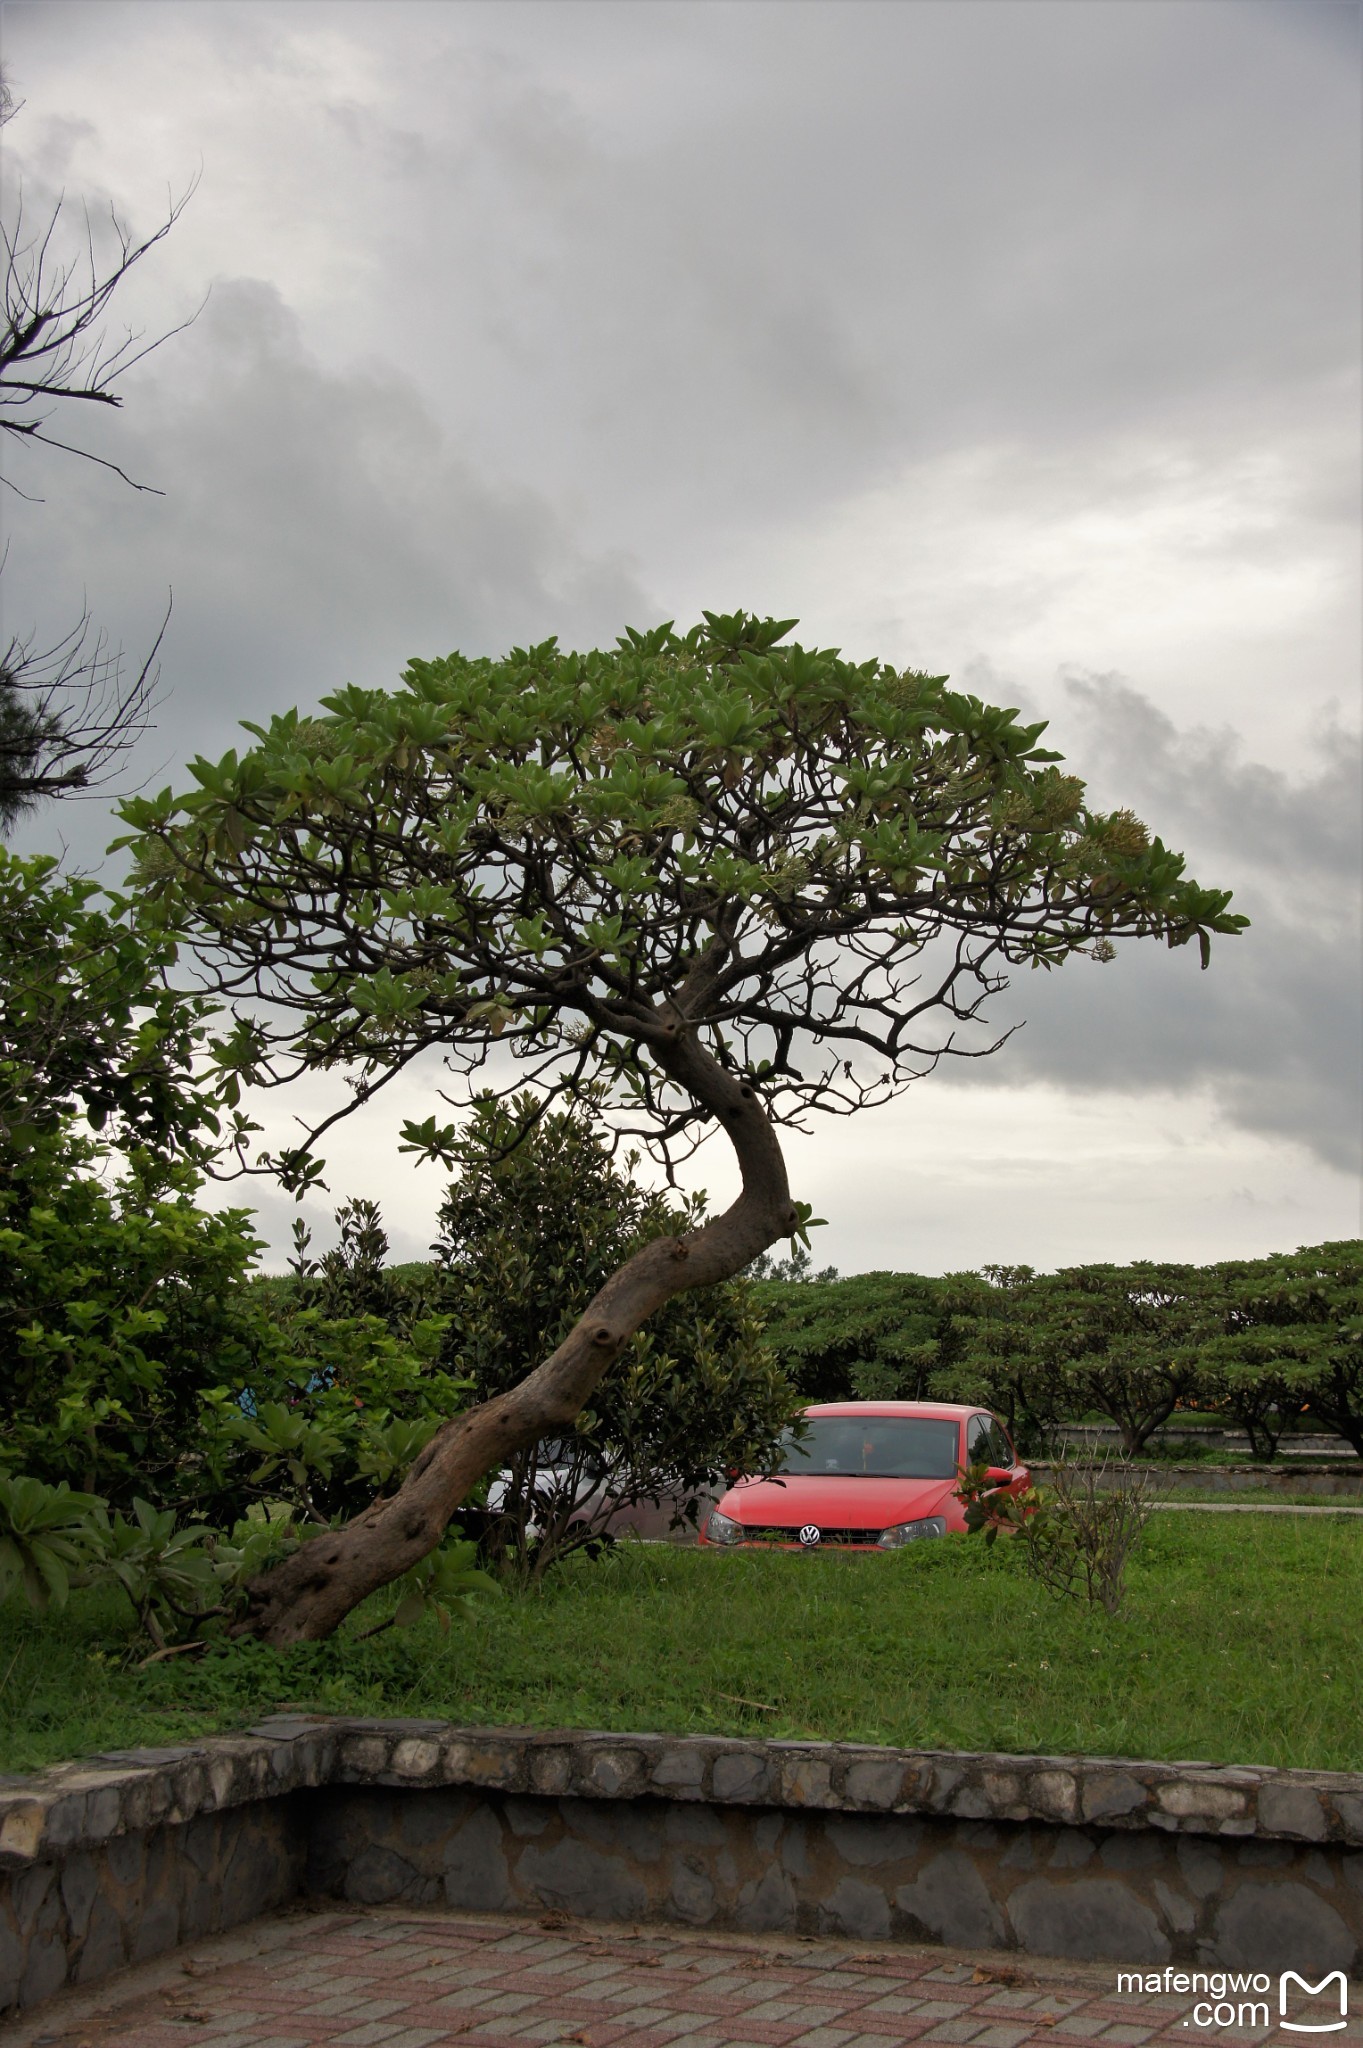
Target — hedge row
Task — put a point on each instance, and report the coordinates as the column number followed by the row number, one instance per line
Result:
column 1263, row 1343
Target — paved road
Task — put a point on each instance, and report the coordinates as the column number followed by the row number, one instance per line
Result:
column 400, row 1979
column 1250, row 1507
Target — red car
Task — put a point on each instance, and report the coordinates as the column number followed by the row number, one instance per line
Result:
column 875, row 1474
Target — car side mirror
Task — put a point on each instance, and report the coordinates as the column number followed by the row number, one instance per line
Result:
column 998, row 1475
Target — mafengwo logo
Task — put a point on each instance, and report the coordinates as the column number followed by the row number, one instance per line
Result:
column 1305, row 1990
column 1233, row 1998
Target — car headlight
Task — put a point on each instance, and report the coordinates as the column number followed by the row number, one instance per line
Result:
column 720, row 1529
column 909, row 1532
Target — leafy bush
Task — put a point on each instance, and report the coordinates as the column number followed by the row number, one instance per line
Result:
column 1076, row 1535
column 87, row 1032
column 143, row 1360
column 528, row 1233
column 47, row 1534
column 119, row 1307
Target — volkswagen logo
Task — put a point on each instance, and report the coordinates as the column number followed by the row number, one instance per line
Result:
column 809, row 1534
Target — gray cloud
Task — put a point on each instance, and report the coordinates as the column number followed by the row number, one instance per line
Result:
column 315, row 529
column 1273, row 1026
column 1024, row 336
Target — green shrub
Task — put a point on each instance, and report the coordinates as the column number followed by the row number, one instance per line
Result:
column 529, row 1231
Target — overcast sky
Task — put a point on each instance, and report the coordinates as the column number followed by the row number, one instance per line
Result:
column 1007, row 338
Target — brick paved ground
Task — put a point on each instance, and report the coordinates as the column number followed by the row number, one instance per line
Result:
column 395, row 1979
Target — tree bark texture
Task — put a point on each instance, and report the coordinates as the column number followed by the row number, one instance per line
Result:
column 310, row 1594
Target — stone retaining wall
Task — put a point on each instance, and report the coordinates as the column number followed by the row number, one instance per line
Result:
column 120, row 1857
column 1339, row 1482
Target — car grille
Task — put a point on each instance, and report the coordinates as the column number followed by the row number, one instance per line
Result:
column 792, row 1535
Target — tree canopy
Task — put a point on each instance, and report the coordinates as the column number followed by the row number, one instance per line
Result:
column 577, row 859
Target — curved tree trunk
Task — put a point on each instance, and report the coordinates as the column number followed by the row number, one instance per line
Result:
column 308, row 1596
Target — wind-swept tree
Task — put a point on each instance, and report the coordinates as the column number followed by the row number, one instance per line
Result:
column 700, row 882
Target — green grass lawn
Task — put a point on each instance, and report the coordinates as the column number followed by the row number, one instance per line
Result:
column 1240, row 1643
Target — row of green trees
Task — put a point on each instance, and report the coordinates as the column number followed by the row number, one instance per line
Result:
column 1262, row 1342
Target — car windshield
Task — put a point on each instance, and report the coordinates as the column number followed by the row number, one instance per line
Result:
column 873, row 1446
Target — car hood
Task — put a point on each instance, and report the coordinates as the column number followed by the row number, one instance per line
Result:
column 832, row 1502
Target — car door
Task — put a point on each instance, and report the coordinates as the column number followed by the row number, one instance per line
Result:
column 987, row 1443
column 977, row 1450
column 1001, row 1452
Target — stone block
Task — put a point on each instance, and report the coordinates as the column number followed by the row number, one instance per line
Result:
column 1349, row 1808
column 416, row 1757
column 488, row 1763
column 46, row 1967
column 795, row 1847
column 363, row 1756
column 29, row 1894
column 65, row 1822
column 1178, row 1910
column 526, row 1817
column 1108, row 1794
column 695, row 1825
column 551, row 1770
column 474, row 1866
column 221, row 1776
column 807, row 1781
column 379, row 1877
column 21, row 1829
column 1202, row 1868
column 103, row 1813
column 1202, row 1799
column 260, row 1871
column 201, row 1843
column 856, row 1909
column 1292, row 1810
column 576, row 1878
column 971, row 1801
column 877, row 1785
column 1053, row 1795
column 937, row 1781
column 187, row 1792
column 610, row 1773
column 104, row 1949
column 155, row 1929
column 1264, row 1855
column 1135, row 1851
column 767, row 1904
column 692, row 1897
column 1072, row 1850
column 12, row 1958
column 949, row 1901
column 419, row 1820
column 80, row 1889
column 679, row 1770
column 867, row 1840
column 1092, row 1919
column 741, row 1775
column 1281, row 1926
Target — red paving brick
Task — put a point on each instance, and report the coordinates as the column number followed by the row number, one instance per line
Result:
column 396, row 1979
